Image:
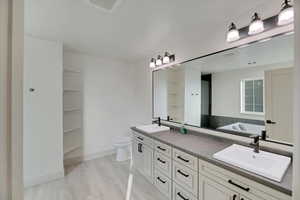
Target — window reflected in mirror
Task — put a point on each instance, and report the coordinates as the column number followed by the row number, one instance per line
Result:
column 243, row 91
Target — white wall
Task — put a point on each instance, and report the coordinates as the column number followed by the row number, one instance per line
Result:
column 143, row 92
column 43, row 133
column 226, row 92
column 112, row 100
column 226, row 95
column 160, row 101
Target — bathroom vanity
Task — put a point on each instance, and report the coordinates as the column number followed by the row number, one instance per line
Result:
column 240, row 93
column 182, row 167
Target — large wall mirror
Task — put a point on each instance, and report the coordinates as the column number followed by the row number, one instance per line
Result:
column 245, row 91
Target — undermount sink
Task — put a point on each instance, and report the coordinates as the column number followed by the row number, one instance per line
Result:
column 153, row 128
column 266, row 164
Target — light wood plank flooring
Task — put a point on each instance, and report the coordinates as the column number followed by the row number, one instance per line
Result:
column 100, row 179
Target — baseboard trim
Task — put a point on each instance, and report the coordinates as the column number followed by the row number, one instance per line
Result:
column 80, row 159
column 30, row 182
column 99, row 154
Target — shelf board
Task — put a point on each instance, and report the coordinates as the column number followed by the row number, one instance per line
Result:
column 71, row 129
column 71, row 70
column 72, row 90
column 70, row 149
column 72, row 109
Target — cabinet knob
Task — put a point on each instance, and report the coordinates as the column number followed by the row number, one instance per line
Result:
column 31, row 89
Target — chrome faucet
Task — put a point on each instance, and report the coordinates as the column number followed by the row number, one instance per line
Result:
column 255, row 143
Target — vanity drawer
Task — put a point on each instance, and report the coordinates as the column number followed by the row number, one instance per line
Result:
column 245, row 186
column 163, row 163
column 181, row 194
column 186, row 177
column 163, row 183
column 143, row 139
column 163, row 148
column 185, row 159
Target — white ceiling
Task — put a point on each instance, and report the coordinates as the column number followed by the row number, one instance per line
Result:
column 140, row 29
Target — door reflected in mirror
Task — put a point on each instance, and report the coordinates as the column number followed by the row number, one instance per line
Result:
column 243, row 91
column 178, row 95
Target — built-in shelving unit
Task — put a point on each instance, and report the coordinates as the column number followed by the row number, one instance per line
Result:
column 175, row 95
column 72, row 112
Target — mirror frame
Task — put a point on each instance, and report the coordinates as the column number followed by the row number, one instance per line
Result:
column 211, row 54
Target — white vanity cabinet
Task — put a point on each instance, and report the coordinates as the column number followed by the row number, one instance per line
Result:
column 142, row 150
column 182, row 176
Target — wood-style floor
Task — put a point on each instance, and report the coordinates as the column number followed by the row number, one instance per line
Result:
column 100, row 179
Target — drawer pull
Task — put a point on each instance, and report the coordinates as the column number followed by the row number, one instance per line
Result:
column 140, row 138
column 140, row 147
column 160, row 148
column 180, row 195
column 239, row 186
column 183, row 174
column 179, row 157
column 162, row 161
column 235, row 196
column 158, row 178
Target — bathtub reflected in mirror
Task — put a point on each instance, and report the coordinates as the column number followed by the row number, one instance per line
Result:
column 243, row 91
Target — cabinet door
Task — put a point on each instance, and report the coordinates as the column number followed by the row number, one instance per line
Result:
column 137, row 156
column 143, row 159
column 209, row 190
column 148, row 162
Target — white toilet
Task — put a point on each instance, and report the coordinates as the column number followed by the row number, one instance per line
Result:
column 123, row 148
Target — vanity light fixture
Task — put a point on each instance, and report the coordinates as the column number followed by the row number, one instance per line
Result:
column 158, row 61
column 233, row 33
column 286, row 15
column 152, row 63
column 256, row 26
column 166, row 58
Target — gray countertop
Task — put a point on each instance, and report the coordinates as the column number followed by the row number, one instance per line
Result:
column 204, row 146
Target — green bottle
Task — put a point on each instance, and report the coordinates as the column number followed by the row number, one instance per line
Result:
column 183, row 130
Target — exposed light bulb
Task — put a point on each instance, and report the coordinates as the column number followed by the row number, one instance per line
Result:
column 152, row 63
column 166, row 58
column 158, row 61
column 256, row 26
column 286, row 15
column 233, row 34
